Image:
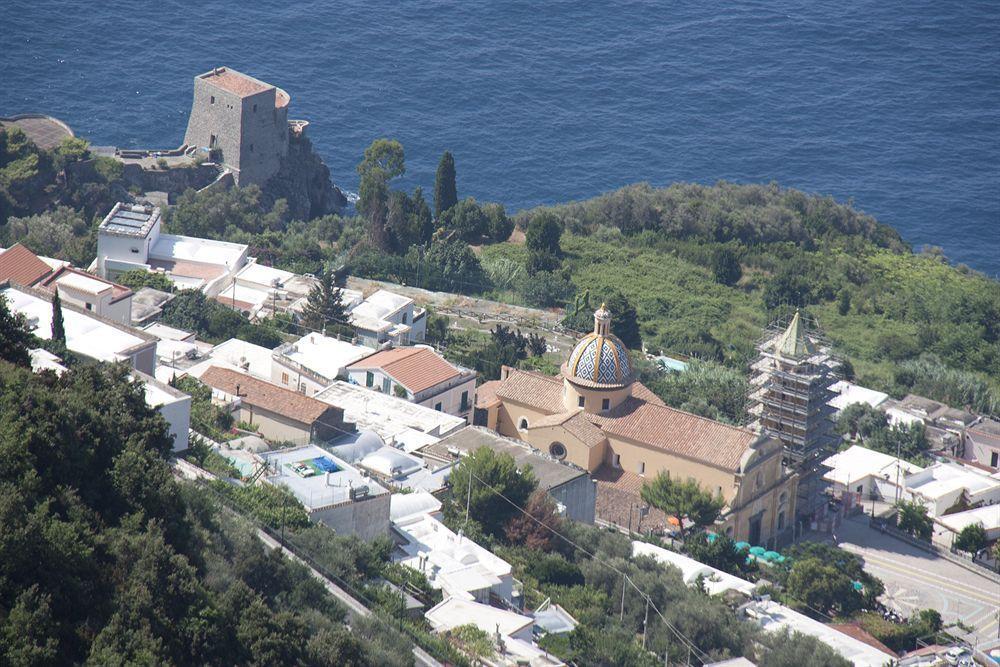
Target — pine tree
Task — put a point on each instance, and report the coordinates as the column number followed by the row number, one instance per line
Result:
column 58, row 327
column 324, row 308
column 445, row 190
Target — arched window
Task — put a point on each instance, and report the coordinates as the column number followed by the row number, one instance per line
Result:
column 557, row 450
column 781, row 520
column 783, row 498
column 729, row 531
column 523, row 424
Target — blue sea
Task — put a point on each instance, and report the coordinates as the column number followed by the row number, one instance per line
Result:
column 894, row 106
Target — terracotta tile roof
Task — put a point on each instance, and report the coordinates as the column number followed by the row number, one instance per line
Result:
column 235, row 82
column 576, row 422
column 118, row 292
column 618, row 494
column 266, row 395
column 416, row 368
column 857, row 632
column 486, row 394
column 639, row 390
column 534, row 389
column 20, row 265
column 678, row 432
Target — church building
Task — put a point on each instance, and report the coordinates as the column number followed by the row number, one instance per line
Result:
column 598, row 417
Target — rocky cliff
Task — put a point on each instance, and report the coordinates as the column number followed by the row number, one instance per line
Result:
column 304, row 181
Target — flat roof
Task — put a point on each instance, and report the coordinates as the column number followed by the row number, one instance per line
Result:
column 988, row 515
column 237, row 354
column 387, row 415
column 130, row 220
column 235, row 82
column 311, row 485
column 83, row 283
column 86, row 334
column 264, row 275
column 381, row 304
column 450, row 561
column 715, row 581
column 164, row 332
column 454, row 612
column 43, row 360
column 849, row 393
column 774, row 617
column 176, row 248
column 159, row 393
column 857, row 462
column 942, row 479
column 323, row 355
column 549, row 472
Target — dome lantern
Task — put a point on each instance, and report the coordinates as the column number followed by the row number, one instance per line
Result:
column 599, row 359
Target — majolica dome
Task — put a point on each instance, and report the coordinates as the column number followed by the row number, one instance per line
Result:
column 600, row 357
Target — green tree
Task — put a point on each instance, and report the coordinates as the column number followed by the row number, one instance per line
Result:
column 682, row 500
column 445, row 189
column 720, row 553
column 788, row 288
column 972, row 538
column 466, row 219
column 324, row 307
column 29, row 633
column 492, row 487
column 383, row 161
column 912, row 518
column 542, row 242
column 844, row 301
column 456, row 265
column 822, row 587
column 726, row 266
column 500, row 226
column 15, row 336
column 437, row 329
column 58, row 327
column 788, row 649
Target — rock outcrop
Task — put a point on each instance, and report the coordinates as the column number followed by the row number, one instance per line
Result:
column 303, row 180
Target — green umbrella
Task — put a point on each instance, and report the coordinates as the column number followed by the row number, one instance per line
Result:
column 771, row 555
column 741, row 546
column 711, row 537
column 757, row 551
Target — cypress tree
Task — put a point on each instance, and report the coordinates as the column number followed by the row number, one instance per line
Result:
column 324, row 308
column 58, row 328
column 445, row 190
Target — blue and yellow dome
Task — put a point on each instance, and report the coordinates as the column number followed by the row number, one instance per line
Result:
column 600, row 357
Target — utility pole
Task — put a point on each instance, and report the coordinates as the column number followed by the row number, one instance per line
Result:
column 624, row 581
column 468, row 498
column 645, row 620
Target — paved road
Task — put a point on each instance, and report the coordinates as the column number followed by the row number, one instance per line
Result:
column 916, row 579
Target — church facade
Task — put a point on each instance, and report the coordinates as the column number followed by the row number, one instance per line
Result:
column 596, row 415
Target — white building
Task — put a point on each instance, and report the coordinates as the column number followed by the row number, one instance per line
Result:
column 333, row 492
column 236, row 354
column 988, row 516
column 418, row 374
column 394, row 419
column 455, row 612
column 261, row 291
column 867, row 473
column 982, row 443
column 774, row 617
column 849, row 393
column 390, row 465
column 174, row 405
column 456, row 565
column 388, row 317
column 314, row 362
column 129, row 238
column 86, row 333
column 942, row 485
column 716, row 582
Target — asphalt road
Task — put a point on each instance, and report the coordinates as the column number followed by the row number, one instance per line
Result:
column 916, row 579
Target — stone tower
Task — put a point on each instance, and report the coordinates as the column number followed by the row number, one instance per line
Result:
column 244, row 118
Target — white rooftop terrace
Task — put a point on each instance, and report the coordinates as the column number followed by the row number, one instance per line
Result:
column 942, row 479
column 314, row 487
column 85, row 334
column 857, row 462
column 987, row 515
column 84, row 283
column 381, row 304
column 243, row 294
column 192, row 249
column 324, row 355
column 716, row 581
column 367, row 450
column 164, row 332
column 267, row 276
column 454, row 612
column 238, row 355
column 387, row 415
column 774, row 617
column 849, row 393
column 452, row 562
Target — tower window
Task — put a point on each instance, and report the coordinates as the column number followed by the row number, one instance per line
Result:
column 605, row 403
column 616, row 461
column 522, row 425
column 211, row 100
column 642, row 467
column 580, row 401
column 255, row 108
